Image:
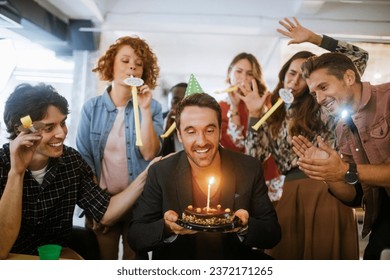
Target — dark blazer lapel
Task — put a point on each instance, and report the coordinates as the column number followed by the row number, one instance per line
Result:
column 183, row 182
column 228, row 181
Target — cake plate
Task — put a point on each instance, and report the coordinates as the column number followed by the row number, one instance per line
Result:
column 236, row 223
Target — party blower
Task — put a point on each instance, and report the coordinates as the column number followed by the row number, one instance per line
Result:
column 29, row 126
column 192, row 87
column 229, row 89
column 134, row 83
column 286, row 96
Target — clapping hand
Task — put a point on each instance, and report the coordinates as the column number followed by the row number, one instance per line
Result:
column 319, row 163
column 305, row 150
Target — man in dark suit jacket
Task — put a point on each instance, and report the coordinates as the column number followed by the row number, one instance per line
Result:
column 181, row 180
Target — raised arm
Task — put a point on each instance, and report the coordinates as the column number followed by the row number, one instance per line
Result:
column 151, row 124
column 299, row 34
column 123, row 201
column 22, row 149
column 256, row 107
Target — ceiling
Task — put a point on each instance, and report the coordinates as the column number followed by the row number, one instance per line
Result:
column 202, row 36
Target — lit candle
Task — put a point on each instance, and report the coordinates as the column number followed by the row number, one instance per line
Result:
column 211, row 181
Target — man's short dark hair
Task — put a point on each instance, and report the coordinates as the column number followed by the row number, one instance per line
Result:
column 336, row 64
column 31, row 100
column 182, row 85
column 202, row 100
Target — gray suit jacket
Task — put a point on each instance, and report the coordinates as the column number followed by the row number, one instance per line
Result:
column 169, row 187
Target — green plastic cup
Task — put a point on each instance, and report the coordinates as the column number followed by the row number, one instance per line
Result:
column 50, row 252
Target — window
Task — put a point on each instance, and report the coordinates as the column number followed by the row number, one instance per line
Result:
column 23, row 61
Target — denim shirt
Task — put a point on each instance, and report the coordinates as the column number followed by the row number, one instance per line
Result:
column 97, row 118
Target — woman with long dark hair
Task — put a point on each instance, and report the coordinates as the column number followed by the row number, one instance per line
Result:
column 315, row 225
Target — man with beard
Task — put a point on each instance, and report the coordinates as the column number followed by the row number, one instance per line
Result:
column 360, row 173
column 181, row 180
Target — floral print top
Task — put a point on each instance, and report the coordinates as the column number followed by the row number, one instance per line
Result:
column 260, row 144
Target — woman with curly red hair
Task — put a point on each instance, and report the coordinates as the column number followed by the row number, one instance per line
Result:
column 106, row 135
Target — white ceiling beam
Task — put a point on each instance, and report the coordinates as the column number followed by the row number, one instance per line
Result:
column 92, row 6
column 309, row 7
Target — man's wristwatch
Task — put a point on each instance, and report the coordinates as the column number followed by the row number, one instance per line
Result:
column 352, row 176
column 231, row 113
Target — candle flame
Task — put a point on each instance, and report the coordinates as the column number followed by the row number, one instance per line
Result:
column 211, row 180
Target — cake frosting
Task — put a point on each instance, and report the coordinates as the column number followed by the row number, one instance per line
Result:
column 207, row 217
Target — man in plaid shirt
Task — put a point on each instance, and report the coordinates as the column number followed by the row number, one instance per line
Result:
column 41, row 179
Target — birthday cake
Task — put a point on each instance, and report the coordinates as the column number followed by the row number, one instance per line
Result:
column 208, row 217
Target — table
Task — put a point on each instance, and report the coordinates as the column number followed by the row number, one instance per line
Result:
column 13, row 256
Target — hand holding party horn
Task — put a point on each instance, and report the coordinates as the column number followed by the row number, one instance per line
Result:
column 285, row 96
column 29, row 126
column 134, row 83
